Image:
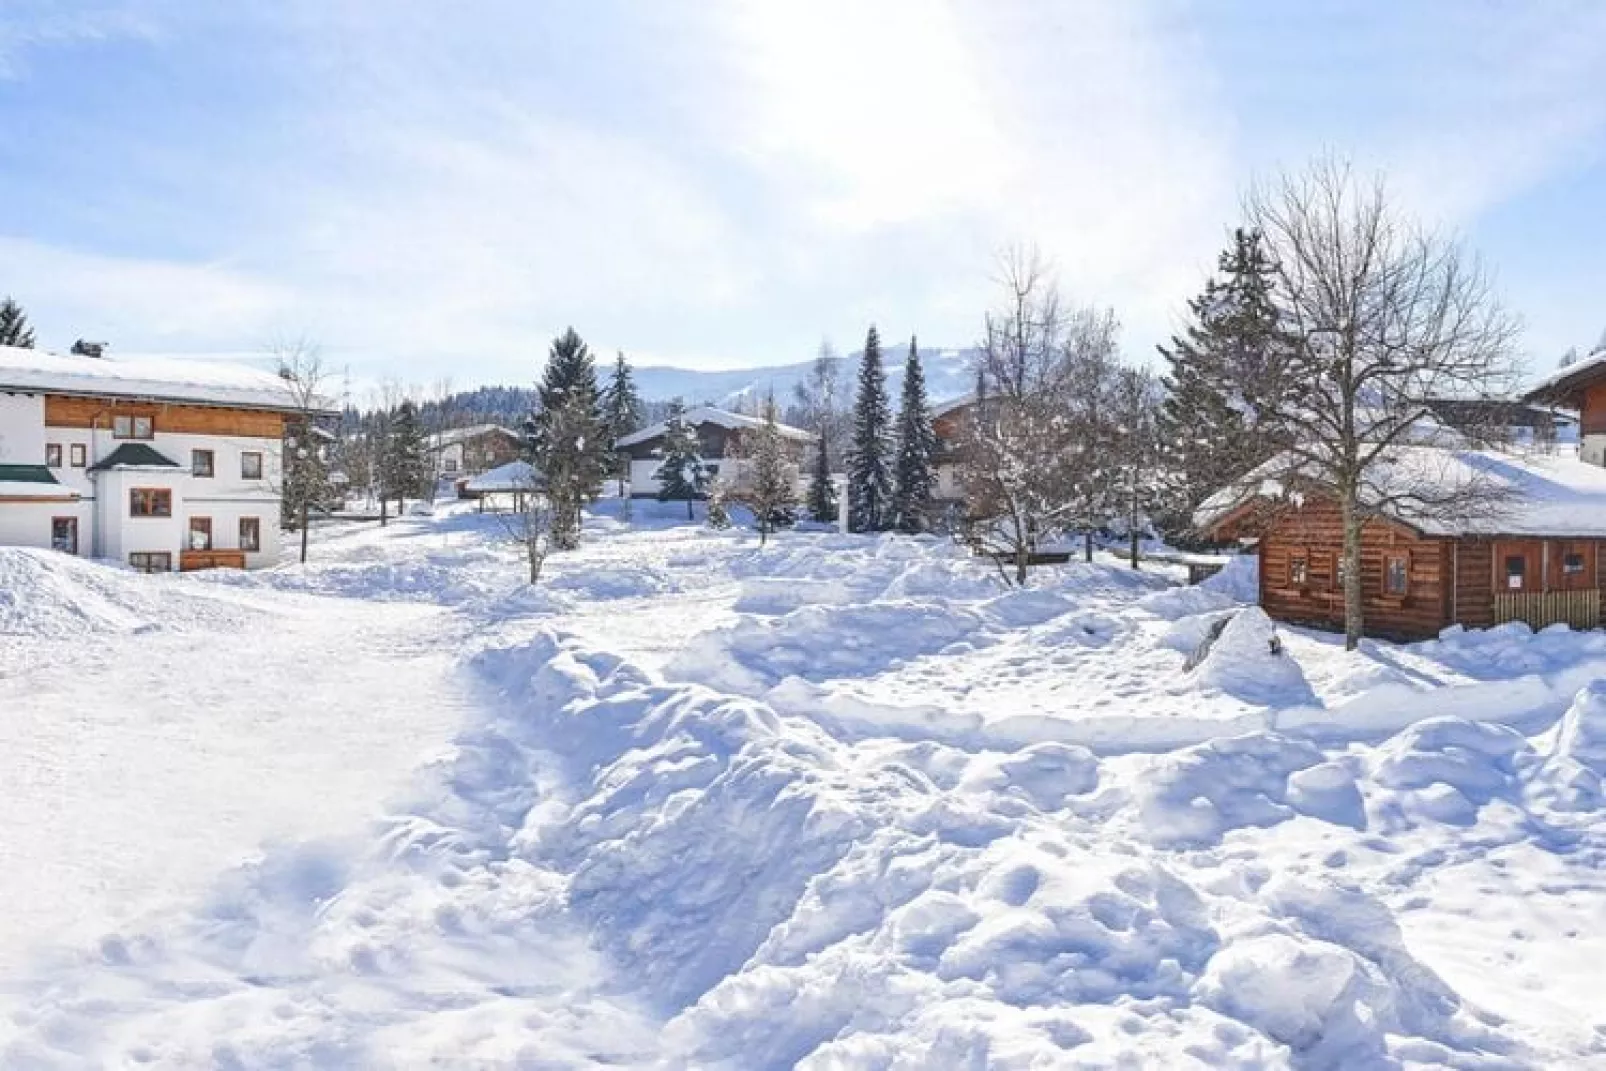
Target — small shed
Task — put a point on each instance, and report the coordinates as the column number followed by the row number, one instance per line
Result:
column 1537, row 556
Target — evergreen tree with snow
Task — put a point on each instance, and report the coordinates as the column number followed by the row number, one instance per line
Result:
column 1227, row 367
column 683, row 475
column 569, row 440
column 406, row 462
column 915, row 474
column 821, row 501
column 621, row 411
column 14, row 329
column 769, row 492
column 719, row 517
column 868, row 463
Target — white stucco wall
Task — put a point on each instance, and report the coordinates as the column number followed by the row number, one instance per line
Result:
column 1593, row 449
column 22, row 427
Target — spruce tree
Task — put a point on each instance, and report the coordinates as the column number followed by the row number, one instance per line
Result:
column 621, row 411
column 569, row 439
column 406, row 463
column 682, row 477
column 822, row 503
column 869, row 474
column 915, row 474
column 14, row 329
column 770, row 494
column 1229, row 364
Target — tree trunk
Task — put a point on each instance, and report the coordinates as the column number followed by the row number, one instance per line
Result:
column 1087, row 546
column 1353, row 613
column 384, row 511
column 305, row 509
column 1022, row 557
column 689, row 516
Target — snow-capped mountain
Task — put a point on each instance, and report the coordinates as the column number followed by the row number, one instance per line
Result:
column 948, row 373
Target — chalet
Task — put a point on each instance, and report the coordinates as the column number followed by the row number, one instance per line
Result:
column 161, row 464
column 470, row 451
column 726, row 444
column 1580, row 387
column 951, row 421
column 1535, row 553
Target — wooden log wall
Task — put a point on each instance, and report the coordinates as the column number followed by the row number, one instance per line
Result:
column 64, row 411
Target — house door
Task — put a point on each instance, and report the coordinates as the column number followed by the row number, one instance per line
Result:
column 64, row 534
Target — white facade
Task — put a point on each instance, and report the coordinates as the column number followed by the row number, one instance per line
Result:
column 59, row 482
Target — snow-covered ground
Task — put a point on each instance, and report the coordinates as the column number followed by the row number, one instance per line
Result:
column 840, row 802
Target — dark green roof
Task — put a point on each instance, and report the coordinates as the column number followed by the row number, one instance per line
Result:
column 26, row 474
column 134, row 455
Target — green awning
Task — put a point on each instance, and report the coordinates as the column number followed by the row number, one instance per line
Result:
column 134, row 456
column 27, row 474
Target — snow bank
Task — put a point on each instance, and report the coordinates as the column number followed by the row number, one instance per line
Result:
column 49, row 595
column 1573, row 774
column 1194, row 797
column 1239, row 580
column 1248, row 662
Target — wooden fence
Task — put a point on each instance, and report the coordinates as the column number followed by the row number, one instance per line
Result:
column 1576, row 609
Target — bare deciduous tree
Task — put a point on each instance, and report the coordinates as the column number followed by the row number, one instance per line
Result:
column 1384, row 317
column 1030, row 467
column 304, row 471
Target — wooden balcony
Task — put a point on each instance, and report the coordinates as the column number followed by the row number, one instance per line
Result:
column 1576, row 609
column 191, row 560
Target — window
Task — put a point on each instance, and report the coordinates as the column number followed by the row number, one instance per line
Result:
column 251, row 534
column 1298, row 571
column 79, row 455
column 200, row 533
column 1397, row 574
column 449, row 464
column 251, row 465
column 1516, row 571
column 150, row 502
column 201, row 463
column 1572, row 563
column 125, row 426
column 53, row 455
column 151, row 562
column 64, row 534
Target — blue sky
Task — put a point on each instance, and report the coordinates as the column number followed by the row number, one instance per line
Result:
column 432, row 190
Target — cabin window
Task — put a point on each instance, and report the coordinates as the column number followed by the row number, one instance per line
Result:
column 1298, row 571
column 127, row 426
column 200, row 533
column 53, row 455
column 64, row 534
column 78, row 454
column 449, row 464
column 151, row 562
column 150, row 502
column 1516, row 571
column 1572, row 565
column 251, row 534
column 251, row 465
column 201, row 462
column 1397, row 574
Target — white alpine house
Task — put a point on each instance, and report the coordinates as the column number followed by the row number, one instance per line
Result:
column 158, row 463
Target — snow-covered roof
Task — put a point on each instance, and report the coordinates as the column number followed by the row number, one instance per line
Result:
column 505, row 479
column 1532, row 494
column 944, row 408
column 707, row 414
column 1567, row 377
column 443, row 439
column 168, row 379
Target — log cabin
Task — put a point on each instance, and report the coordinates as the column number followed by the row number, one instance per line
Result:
column 1537, row 556
column 158, row 464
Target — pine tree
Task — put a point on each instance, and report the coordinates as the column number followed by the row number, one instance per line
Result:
column 770, row 494
column 915, row 475
column 621, row 411
column 869, row 478
column 1229, row 365
column 682, row 477
column 719, row 517
column 14, row 329
column 406, row 464
column 822, row 503
column 568, row 437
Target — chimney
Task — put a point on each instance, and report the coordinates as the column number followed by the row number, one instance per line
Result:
column 83, row 348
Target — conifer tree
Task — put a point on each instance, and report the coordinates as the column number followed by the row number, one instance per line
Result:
column 915, row 475
column 869, row 473
column 816, row 398
column 822, row 503
column 14, row 329
column 406, row 462
column 769, row 493
column 568, row 435
column 621, row 411
column 1229, row 365
column 683, row 476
